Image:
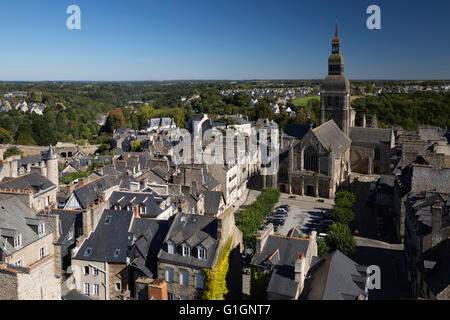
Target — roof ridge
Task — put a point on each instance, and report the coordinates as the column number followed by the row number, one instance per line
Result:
column 328, row 273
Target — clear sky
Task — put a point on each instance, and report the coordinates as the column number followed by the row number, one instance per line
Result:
column 218, row 39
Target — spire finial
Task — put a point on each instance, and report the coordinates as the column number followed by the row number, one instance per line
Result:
column 336, row 33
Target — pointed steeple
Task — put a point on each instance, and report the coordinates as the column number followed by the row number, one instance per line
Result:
column 336, row 32
column 51, row 154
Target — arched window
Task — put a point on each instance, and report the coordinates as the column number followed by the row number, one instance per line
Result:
column 283, row 175
column 310, row 159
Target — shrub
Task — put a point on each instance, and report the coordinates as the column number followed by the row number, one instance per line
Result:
column 215, row 284
column 322, row 248
column 342, row 215
column 12, row 151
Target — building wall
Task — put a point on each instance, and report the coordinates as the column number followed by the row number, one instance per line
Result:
column 30, row 255
column 8, row 286
column 81, row 278
column 117, row 274
column 40, row 283
column 178, row 289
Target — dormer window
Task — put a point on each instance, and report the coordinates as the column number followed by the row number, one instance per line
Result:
column 170, row 247
column 142, row 209
column 129, row 208
column 117, row 207
column 201, row 253
column 18, row 241
column 186, row 250
column 41, row 229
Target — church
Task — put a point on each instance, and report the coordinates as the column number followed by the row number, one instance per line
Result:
column 315, row 161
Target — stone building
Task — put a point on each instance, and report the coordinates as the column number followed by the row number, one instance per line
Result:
column 316, row 161
column 192, row 244
column 27, row 261
column 286, row 260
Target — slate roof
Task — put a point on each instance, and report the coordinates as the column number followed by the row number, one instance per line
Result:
column 427, row 178
column 109, row 237
column 212, row 201
column 421, row 203
column 93, row 190
column 16, row 218
column 192, row 230
column 149, row 235
column 31, row 181
column 331, row 136
column 336, row 277
column 296, row 130
column 67, row 218
column 370, row 135
column 74, row 294
column 437, row 278
column 152, row 202
column 282, row 253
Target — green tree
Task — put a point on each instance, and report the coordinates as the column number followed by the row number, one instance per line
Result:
column 342, row 214
column 322, row 248
column 340, row 237
column 136, row 146
column 5, row 136
column 115, row 120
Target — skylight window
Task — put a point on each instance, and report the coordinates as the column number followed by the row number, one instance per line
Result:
column 107, row 219
column 88, row 251
column 116, row 252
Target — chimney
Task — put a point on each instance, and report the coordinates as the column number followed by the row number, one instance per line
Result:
column 299, row 267
column 262, row 237
column 157, row 290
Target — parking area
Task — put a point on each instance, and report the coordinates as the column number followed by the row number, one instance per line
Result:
column 304, row 214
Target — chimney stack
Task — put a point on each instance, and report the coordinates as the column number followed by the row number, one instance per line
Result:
column 436, row 223
column 157, row 290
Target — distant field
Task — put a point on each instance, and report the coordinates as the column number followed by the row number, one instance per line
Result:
column 303, row 101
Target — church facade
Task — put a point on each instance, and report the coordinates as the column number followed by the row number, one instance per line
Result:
column 315, row 161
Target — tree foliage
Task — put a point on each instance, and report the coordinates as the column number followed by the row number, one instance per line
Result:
column 322, row 248
column 340, row 237
column 252, row 217
column 216, row 284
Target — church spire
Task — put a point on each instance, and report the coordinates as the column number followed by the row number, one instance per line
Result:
column 336, row 32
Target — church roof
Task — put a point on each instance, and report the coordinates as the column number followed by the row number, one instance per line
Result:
column 330, row 136
column 372, row 135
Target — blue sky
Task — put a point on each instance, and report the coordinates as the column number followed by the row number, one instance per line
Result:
column 218, row 39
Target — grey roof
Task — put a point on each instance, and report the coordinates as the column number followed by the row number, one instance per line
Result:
column 296, row 130
column 74, row 294
column 331, row 136
column 336, row 277
column 37, row 158
column 16, row 218
column 282, row 252
column 212, row 201
column 31, row 181
column 93, row 190
column 437, row 277
column 150, row 235
column 51, row 154
column 370, row 135
column 193, row 230
column 108, row 237
column 426, row 178
column 152, row 202
column 67, row 218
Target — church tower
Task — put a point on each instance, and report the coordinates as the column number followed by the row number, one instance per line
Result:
column 335, row 94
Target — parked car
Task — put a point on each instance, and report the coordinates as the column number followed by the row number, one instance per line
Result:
column 285, row 207
column 280, row 210
column 274, row 213
column 278, row 222
column 276, row 216
column 322, row 235
column 325, row 213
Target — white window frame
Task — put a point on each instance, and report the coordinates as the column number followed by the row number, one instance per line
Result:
column 142, row 209
column 170, row 247
column 95, row 271
column 18, row 263
column 168, row 274
column 70, row 235
column 18, row 241
column 185, row 250
column 118, row 286
column 87, row 289
column 42, row 252
column 184, row 277
column 41, row 229
column 201, row 253
column 86, row 270
column 96, row 289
